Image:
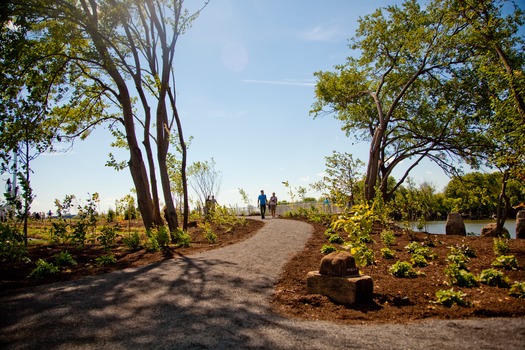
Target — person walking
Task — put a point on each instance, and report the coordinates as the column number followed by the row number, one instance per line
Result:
column 273, row 204
column 261, row 202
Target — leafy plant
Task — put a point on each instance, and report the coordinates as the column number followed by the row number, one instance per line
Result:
column 418, row 260
column 64, row 258
column 43, row 268
column 507, row 262
column 413, row 246
column 403, row 269
column 501, row 246
column 335, row 239
column 460, row 277
column 182, row 238
column 363, row 255
column 458, row 259
column 107, row 237
column 388, row 238
column 327, row 249
column 12, row 245
column 388, row 253
column 518, row 290
column 493, row 277
column 106, row 260
column 132, row 241
column 463, row 249
column 59, row 232
column 163, row 237
column 450, row 297
column 152, row 244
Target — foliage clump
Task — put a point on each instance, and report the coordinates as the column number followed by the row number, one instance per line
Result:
column 451, row 297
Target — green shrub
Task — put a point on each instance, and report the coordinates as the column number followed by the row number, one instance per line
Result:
column 12, row 246
column 210, row 236
column 43, row 268
column 106, row 260
column 328, row 232
column 335, row 239
column 59, row 233
column 418, row 260
column 460, row 277
column 388, row 238
column 363, row 255
column 107, row 237
column 403, row 269
column 132, row 241
column 517, row 290
column 458, row 259
column 152, row 245
column 327, row 249
column 493, row 277
column 501, row 246
column 507, row 262
column 450, row 297
column 64, row 258
column 413, row 246
column 463, row 249
column 388, row 253
column 182, row 238
column 163, row 237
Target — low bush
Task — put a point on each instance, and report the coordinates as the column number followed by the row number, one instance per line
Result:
column 132, row 241
column 517, row 290
column 388, row 238
column 450, row 297
column 388, row 253
column 403, row 269
column 501, row 246
column 64, row 258
column 43, row 268
column 327, row 249
column 460, row 277
column 106, row 260
column 493, row 277
column 507, row 262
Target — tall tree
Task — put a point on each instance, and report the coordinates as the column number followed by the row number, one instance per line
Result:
column 499, row 68
column 118, row 53
column 410, row 93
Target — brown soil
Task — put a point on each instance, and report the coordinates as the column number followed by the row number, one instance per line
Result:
column 14, row 275
column 402, row 300
column 399, row 300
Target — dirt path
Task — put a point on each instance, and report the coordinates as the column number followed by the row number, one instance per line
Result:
column 218, row 299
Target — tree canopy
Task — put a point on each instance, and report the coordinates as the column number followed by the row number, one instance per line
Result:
column 414, row 92
column 114, row 66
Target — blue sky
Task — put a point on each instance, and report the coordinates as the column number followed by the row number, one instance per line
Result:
column 245, row 82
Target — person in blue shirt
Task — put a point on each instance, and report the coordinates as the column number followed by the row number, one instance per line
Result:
column 261, row 202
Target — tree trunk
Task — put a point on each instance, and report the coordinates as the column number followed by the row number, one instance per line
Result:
column 372, row 171
column 503, row 204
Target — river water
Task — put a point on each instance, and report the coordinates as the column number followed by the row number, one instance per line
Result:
column 474, row 226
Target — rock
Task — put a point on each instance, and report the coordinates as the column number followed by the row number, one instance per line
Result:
column 489, row 230
column 338, row 264
column 520, row 224
column 342, row 290
column 455, row 225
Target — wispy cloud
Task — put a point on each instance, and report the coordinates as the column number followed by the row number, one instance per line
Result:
column 288, row 82
column 323, row 33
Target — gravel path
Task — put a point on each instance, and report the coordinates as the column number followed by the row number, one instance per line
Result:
column 215, row 300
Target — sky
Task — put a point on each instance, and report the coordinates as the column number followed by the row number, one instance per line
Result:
column 245, row 83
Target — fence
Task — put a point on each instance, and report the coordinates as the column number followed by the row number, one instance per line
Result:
column 283, row 208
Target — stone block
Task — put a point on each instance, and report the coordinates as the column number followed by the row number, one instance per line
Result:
column 339, row 263
column 342, row 290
